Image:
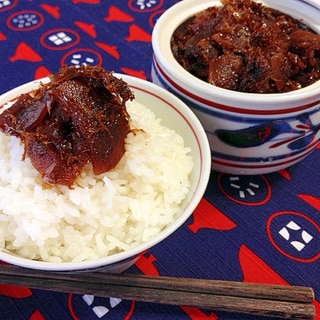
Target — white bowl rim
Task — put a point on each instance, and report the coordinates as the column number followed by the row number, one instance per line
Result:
column 139, row 249
column 181, row 11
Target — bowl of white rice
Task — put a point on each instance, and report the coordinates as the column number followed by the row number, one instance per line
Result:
column 106, row 221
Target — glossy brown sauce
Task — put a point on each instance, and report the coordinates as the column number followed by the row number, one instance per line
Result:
column 79, row 117
column 247, row 47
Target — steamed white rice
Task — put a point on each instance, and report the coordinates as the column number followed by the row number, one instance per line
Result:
column 102, row 215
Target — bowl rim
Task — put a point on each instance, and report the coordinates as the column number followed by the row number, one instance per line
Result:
column 198, row 192
column 179, row 77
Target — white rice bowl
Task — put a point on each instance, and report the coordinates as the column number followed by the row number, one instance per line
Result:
column 101, row 215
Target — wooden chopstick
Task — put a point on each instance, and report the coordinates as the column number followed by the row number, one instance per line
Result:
column 256, row 299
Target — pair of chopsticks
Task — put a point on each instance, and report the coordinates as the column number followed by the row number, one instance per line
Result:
column 247, row 298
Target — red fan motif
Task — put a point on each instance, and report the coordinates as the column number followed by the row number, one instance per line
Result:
column 209, row 217
column 112, row 50
column 116, row 14
column 88, row 28
column 138, row 34
column 24, row 52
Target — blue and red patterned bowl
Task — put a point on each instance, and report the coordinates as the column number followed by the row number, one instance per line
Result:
column 249, row 133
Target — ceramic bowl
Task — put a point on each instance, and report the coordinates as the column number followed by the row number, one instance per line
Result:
column 248, row 133
column 175, row 115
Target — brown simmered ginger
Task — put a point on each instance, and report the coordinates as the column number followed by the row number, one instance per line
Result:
column 78, row 117
column 245, row 46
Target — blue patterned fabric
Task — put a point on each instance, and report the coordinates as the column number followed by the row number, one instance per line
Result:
column 261, row 229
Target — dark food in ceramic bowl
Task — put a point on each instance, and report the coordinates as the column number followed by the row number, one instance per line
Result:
column 247, row 47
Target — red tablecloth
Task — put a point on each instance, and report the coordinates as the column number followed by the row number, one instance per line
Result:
column 268, row 233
